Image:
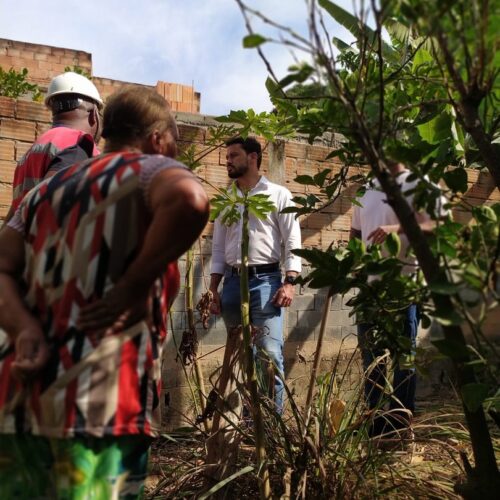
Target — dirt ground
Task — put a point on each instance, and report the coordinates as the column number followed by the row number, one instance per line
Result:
column 427, row 468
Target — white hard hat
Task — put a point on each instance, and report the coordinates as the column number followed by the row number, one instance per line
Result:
column 73, row 83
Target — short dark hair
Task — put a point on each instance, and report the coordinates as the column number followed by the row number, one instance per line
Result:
column 250, row 145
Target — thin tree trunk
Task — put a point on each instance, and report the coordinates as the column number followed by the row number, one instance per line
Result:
column 486, row 471
column 317, row 358
column 189, row 300
column 260, row 449
column 223, row 443
column 468, row 116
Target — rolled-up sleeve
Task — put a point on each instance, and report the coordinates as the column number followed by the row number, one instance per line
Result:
column 290, row 233
column 218, row 248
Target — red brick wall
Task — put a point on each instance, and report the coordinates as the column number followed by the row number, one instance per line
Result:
column 107, row 86
column 181, row 97
column 21, row 122
column 44, row 62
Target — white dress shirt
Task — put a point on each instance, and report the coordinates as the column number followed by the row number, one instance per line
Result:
column 375, row 211
column 266, row 237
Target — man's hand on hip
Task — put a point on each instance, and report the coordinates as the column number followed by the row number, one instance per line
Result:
column 284, row 295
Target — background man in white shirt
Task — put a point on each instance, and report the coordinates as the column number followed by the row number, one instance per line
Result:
column 268, row 293
column 372, row 222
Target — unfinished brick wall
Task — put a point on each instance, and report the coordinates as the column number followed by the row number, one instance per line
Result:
column 43, row 62
column 281, row 163
column 107, row 86
column 22, row 121
column 182, row 98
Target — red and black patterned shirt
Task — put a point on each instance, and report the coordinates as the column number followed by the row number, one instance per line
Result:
column 33, row 166
column 82, row 228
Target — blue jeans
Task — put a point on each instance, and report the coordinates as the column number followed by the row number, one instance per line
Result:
column 264, row 315
column 404, row 382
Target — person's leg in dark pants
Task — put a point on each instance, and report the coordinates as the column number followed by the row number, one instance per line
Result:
column 405, row 379
column 375, row 374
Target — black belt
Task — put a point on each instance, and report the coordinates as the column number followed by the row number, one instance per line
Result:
column 263, row 268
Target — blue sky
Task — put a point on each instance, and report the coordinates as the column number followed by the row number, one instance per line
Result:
column 181, row 41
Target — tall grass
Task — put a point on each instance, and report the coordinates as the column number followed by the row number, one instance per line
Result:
column 333, row 456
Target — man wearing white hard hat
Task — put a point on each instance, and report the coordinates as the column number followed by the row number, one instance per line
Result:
column 75, row 104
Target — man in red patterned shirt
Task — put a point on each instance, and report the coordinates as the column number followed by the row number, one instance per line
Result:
column 91, row 244
column 75, row 104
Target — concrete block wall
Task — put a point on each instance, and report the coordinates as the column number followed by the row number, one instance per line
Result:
column 21, row 122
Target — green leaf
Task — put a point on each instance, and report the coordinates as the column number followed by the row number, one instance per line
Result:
column 254, row 40
column 224, row 482
column 274, row 89
column 336, row 152
column 393, row 244
column 305, row 179
column 381, row 266
column 485, row 214
column 397, row 30
column 456, row 180
column 436, row 130
column 322, row 281
column 290, row 210
column 421, row 57
column 354, row 25
column 347, row 20
column 356, row 246
column 446, row 249
column 239, row 116
column 319, row 179
column 258, row 214
column 448, row 318
column 473, row 395
column 341, row 45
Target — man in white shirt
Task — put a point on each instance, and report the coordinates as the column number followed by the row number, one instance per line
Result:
column 372, row 222
column 268, row 293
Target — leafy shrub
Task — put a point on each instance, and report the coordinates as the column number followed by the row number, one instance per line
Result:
column 14, row 84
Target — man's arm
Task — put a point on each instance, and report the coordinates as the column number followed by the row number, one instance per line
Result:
column 291, row 236
column 13, row 312
column 379, row 235
column 180, row 210
column 23, row 329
